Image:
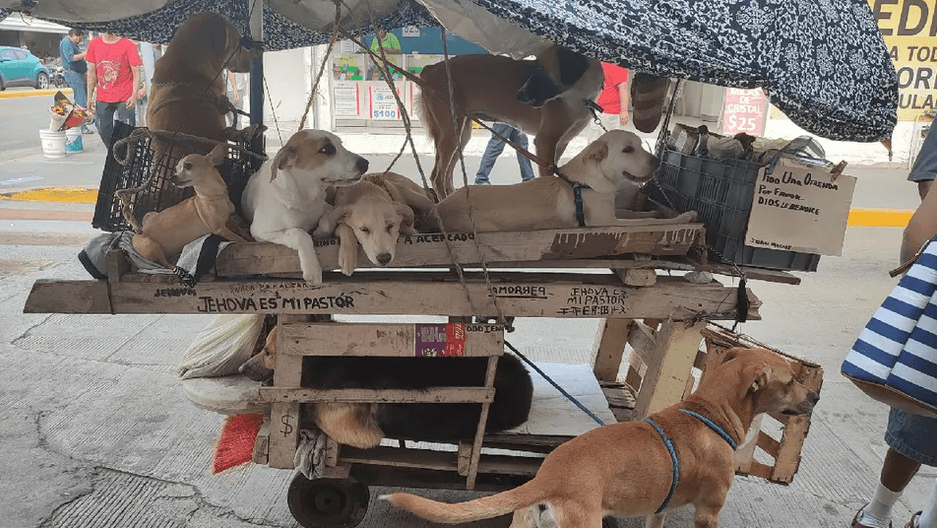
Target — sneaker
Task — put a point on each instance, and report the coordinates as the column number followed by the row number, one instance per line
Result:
column 913, row 522
column 855, row 519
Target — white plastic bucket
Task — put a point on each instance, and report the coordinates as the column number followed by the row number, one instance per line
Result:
column 53, row 143
column 74, row 142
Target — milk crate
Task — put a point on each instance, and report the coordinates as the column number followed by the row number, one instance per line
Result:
column 138, row 169
column 721, row 192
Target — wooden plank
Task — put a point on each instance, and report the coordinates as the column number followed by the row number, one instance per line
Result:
column 517, row 294
column 650, row 237
column 745, row 454
column 665, row 381
column 642, row 339
column 284, row 417
column 609, row 348
column 760, row 470
column 480, row 430
column 768, row 444
column 391, row 340
column 296, row 394
column 262, row 443
column 438, row 460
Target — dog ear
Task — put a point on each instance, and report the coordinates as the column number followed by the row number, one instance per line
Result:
column 406, row 223
column 339, row 214
column 283, row 160
column 761, row 377
column 598, row 151
column 217, row 154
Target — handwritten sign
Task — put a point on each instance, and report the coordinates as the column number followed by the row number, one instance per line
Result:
column 798, row 208
column 744, row 111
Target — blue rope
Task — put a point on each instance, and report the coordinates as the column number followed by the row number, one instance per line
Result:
column 562, row 391
column 712, row 425
column 673, row 458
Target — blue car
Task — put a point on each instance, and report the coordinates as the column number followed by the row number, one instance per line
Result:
column 19, row 67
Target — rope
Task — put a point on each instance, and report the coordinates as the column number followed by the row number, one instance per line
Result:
column 563, row 391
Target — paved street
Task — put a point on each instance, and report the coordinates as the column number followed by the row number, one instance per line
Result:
column 95, row 431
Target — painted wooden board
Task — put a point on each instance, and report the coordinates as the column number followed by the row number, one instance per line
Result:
column 649, row 237
column 391, row 340
column 516, row 294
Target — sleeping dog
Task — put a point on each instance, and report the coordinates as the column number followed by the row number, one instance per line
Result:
column 363, row 425
column 544, row 97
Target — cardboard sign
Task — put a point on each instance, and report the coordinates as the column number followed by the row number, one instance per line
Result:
column 744, row 111
column 798, row 208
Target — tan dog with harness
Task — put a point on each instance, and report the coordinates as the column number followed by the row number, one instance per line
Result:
column 681, row 455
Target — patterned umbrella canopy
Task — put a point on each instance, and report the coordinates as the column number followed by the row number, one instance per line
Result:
column 822, row 62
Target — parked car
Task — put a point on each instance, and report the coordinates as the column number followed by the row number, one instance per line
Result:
column 19, row 67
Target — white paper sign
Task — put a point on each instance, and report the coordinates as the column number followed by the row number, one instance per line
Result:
column 801, row 209
column 383, row 103
column 346, row 99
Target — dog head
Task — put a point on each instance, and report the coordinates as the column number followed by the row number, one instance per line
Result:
column 319, row 156
column 768, row 379
column 377, row 222
column 557, row 70
column 194, row 170
column 618, row 158
column 260, row 366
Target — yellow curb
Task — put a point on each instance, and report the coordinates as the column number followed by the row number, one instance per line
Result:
column 9, row 94
column 879, row 217
column 55, row 194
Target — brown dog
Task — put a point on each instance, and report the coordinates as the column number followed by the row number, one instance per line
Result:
column 373, row 213
column 165, row 233
column 187, row 94
column 627, row 470
column 613, row 164
column 545, row 97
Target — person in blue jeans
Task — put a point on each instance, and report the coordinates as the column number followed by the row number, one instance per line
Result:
column 76, row 69
column 496, row 146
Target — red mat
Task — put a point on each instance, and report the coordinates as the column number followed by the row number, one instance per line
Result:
column 235, row 445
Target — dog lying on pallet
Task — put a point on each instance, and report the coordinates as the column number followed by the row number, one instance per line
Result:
column 616, row 163
column 681, row 455
column 165, row 233
column 546, row 97
column 286, row 198
column 363, row 425
column 373, row 213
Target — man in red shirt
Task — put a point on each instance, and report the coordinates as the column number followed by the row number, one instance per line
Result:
column 613, row 100
column 113, row 82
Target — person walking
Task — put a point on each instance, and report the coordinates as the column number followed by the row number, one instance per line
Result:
column 76, row 69
column 113, row 82
column 614, row 100
column 496, row 146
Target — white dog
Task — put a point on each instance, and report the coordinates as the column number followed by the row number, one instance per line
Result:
column 285, row 199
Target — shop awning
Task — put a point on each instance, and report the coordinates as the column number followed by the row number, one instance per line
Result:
column 17, row 22
column 822, row 62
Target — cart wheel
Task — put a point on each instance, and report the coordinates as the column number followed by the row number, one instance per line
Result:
column 327, row 503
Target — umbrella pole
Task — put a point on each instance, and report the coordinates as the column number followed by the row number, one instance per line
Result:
column 256, row 25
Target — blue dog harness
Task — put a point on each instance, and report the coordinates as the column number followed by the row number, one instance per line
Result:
column 673, row 454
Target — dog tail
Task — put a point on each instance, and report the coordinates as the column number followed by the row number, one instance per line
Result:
column 473, row 510
column 425, row 113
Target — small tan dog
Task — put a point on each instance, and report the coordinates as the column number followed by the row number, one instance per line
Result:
column 627, row 470
column 613, row 164
column 187, row 94
column 373, row 213
column 165, row 233
column 544, row 97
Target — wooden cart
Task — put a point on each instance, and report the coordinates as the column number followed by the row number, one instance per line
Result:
column 607, row 273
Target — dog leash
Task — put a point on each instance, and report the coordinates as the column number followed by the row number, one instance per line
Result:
column 568, row 396
column 675, row 481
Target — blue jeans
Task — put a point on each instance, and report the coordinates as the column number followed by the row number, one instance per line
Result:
column 104, row 118
column 913, row 436
column 494, row 149
column 925, row 165
column 79, row 85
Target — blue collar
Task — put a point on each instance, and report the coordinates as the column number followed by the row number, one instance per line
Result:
column 673, row 453
column 712, row 425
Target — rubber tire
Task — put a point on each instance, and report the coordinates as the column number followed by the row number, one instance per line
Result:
column 327, row 503
column 42, row 81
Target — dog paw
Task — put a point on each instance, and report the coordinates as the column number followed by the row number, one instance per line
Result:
column 689, row 216
column 313, row 276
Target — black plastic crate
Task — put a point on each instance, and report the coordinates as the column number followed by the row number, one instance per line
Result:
column 721, row 192
column 137, row 169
